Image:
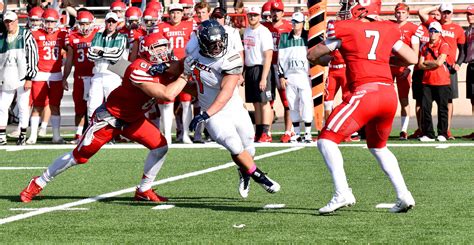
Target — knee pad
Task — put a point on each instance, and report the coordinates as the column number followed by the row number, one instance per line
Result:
column 251, row 150
column 234, row 146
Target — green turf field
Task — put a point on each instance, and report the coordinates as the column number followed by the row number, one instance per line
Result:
column 208, row 209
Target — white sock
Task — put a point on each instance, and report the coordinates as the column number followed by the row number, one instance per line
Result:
column 34, row 126
column 335, row 164
column 307, row 129
column 166, row 122
column 153, row 164
column 55, row 123
column 79, row 130
column 389, row 164
column 44, row 125
column 58, row 166
column 405, row 121
column 187, row 117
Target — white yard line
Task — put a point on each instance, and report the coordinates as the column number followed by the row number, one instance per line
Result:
column 21, row 168
column 34, row 209
column 217, row 146
column 132, row 189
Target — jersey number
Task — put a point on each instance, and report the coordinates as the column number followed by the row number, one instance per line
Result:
column 368, row 34
column 197, row 77
column 81, row 55
column 51, row 53
column 177, row 42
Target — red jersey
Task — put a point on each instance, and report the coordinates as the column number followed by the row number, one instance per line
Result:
column 453, row 34
column 336, row 58
column 285, row 27
column 49, row 49
column 128, row 102
column 178, row 36
column 80, row 44
column 366, row 48
column 133, row 34
column 438, row 76
column 409, row 30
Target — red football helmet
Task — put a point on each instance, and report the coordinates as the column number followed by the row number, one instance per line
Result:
column 150, row 19
column 133, row 16
column 35, row 13
column 35, row 18
column 369, row 8
column 187, row 3
column 152, row 51
column 51, row 15
column 118, row 6
column 84, row 22
column 266, row 8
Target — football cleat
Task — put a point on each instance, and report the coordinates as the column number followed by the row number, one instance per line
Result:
column 265, row 138
column 21, row 140
column 403, row 204
column 42, row 132
column 14, row 134
column 266, row 183
column 339, row 200
column 441, row 138
column 403, row 135
column 3, row 141
column 30, row 191
column 149, row 195
column 417, row 134
column 59, row 141
column 244, row 184
column 308, row 138
column 186, row 139
column 426, row 139
column 286, row 138
column 31, row 140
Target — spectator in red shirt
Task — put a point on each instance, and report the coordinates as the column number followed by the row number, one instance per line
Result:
column 436, row 83
column 453, row 34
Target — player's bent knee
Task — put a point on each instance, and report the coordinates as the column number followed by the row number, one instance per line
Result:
column 251, row 150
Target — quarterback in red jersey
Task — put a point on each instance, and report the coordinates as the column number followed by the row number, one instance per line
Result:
column 47, row 85
column 277, row 27
column 366, row 45
column 78, row 45
column 411, row 34
column 123, row 114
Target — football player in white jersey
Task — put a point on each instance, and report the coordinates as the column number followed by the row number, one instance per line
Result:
column 216, row 71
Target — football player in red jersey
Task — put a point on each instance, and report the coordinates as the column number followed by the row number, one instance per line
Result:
column 35, row 18
column 47, row 85
column 402, row 74
column 188, row 9
column 78, row 45
column 119, row 8
column 134, row 31
column 366, row 45
column 151, row 19
column 276, row 27
column 178, row 32
column 123, row 114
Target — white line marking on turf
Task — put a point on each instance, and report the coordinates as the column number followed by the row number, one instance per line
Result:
column 385, row 205
column 21, row 168
column 132, row 189
column 35, row 209
column 217, row 146
column 274, row 206
column 239, row 226
column 442, row 147
column 163, row 207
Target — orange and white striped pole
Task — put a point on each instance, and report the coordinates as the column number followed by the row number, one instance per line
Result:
column 317, row 29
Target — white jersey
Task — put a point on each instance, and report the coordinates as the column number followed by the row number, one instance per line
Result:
column 208, row 73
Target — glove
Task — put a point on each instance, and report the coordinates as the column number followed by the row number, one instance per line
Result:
column 198, row 119
column 158, row 69
column 100, row 53
column 189, row 65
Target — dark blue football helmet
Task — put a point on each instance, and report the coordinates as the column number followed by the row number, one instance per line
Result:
column 212, row 39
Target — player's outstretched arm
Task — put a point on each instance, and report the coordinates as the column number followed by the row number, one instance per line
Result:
column 318, row 55
column 404, row 55
column 423, row 13
column 163, row 92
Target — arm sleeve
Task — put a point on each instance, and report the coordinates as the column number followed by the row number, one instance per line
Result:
column 462, row 53
column 114, row 54
column 31, row 50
